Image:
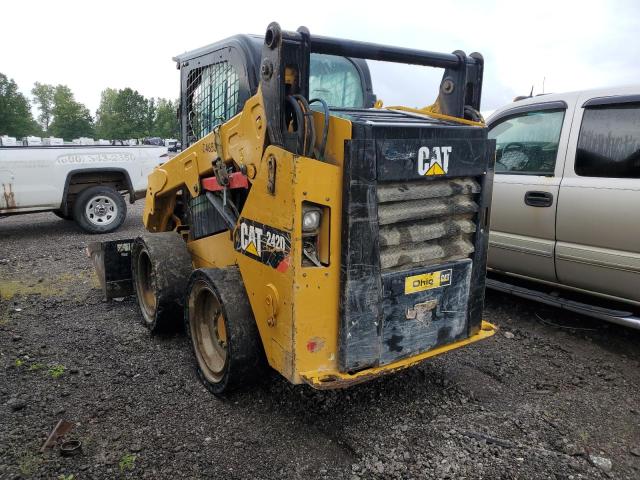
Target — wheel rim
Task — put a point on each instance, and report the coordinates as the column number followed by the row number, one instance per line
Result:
column 208, row 331
column 145, row 283
column 101, row 210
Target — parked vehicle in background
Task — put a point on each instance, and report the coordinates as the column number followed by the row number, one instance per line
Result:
column 172, row 144
column 153, row 141
column 566, row 201
column 83, row 183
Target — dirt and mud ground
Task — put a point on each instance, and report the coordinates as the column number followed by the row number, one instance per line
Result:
column 552, row 395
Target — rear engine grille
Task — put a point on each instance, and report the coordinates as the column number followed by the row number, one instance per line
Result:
column 426, row 222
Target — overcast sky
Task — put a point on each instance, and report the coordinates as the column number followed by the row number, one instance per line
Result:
column 92, row 45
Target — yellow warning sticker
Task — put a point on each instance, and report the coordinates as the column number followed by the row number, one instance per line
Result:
column 427, row 281
column 435, row 169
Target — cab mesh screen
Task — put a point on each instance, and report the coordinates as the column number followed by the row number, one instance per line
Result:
column 212, row 98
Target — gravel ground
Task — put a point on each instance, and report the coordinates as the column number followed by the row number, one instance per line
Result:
column 552, row 395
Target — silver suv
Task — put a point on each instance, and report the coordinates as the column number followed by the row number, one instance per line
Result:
column 566, row 201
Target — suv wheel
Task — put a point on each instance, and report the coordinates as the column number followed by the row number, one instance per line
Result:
column 100, row 209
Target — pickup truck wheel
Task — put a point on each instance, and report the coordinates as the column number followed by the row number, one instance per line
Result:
column 160, row 266
column 100, row 209
column 224, row 335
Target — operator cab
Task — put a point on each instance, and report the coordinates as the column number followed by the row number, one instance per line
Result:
column 217, row 80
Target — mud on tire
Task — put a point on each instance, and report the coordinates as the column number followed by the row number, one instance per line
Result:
column 217, row 302
column 161, row 266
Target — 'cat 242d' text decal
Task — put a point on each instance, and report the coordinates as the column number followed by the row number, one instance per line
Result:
column 263, row 243
column 433, row 160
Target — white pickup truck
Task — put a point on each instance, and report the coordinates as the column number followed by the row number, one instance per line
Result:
column 81, row 183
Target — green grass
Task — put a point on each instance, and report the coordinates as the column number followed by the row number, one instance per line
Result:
column 66, row 477
column 28, row 463
column 36, row 366
column 18, row 362
column 4, row 317
column 127, row 462
column 56, row 370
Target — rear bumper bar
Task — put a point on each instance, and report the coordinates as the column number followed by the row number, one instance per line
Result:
column 323, row 380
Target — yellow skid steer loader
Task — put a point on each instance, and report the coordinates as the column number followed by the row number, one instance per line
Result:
column 307, row 226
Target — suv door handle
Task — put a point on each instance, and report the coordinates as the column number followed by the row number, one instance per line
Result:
column 538, row 199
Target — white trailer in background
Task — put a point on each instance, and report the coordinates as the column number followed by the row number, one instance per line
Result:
column 6, row 141
column 52, row 141
column 83, row 141
column 82, row 183
column 31, row 141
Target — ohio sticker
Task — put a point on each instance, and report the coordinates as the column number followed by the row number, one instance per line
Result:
column 263, row 243
column 427, row 281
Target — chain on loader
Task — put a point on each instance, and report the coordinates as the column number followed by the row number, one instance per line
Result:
column 305, row 225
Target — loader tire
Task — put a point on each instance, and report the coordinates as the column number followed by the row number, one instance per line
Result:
column 223, row 332
column 100, row 209
column 160, row 266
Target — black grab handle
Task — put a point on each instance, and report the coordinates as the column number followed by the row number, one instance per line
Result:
column 538, row 199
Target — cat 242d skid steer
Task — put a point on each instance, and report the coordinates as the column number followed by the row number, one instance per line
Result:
column 306, row 225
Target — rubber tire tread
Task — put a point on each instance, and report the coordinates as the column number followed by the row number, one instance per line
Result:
column 88, row 193
column 171, row 267
column 245, row 353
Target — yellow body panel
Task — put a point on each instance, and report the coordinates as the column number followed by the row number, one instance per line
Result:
column 261, row 281
column 305, row 334
column 215, row 251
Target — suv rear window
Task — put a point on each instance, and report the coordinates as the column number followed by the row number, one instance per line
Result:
column 609, row 142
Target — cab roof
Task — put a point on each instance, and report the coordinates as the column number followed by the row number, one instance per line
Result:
column 250, row 44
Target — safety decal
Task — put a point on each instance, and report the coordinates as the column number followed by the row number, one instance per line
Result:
column 263, row 243
column 433, row 161
column 427, row 281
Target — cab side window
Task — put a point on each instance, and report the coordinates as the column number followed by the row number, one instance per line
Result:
column 527, row 143
column 609, row 142
column 335, row 80
column 212, row 98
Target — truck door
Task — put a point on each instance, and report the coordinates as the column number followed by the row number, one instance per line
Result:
column 529, row 163
column 598, row 226
column 7, row 182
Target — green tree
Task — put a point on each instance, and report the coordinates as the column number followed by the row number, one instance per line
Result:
column 43, row 98
column 15, row 112
column 71, row 119
column 106, row 119
column 151, row 116
column 165, row 124
column 123, row 114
